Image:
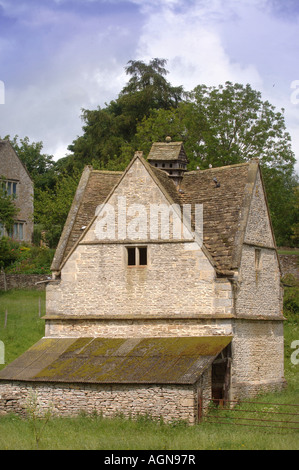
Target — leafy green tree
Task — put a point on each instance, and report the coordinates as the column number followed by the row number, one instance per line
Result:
column 109, row 132
column 39, row 165
column 231, row 124
column 295, row 226
column 8, row 210
column 52, row 207
column 237, row 125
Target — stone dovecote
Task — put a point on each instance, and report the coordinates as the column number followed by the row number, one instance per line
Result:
column 141, row 295
column 170, row 157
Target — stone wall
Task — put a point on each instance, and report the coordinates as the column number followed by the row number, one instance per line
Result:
column 290, row 265
column 178, row 278
column 134, row 327
column 259, row 292
column 23, row 281
column 97, row 281
column 257, row 347
column 172, row 402
column 257, row 351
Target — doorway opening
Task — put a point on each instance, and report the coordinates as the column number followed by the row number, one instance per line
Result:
column 221, row 374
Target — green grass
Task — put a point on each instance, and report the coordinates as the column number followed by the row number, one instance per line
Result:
column 24, row 328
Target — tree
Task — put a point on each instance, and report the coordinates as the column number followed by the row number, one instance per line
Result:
column 40, row 166
column 295, row 226
column 52, row 207
column 8, row 210
column 109, row 132
column 228, row 125
column 236, row 125
column 219, row 126
column 149, row 86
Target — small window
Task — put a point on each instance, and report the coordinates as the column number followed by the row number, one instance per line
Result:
column 142, row 255
column 131, row 256
column 137, row 256
column 17, row 231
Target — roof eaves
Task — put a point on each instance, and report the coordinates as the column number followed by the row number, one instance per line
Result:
column 68, row 226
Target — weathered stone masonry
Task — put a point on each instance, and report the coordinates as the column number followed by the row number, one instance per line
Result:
column 226, row 288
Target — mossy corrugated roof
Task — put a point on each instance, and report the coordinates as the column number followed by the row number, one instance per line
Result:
column 117, row 360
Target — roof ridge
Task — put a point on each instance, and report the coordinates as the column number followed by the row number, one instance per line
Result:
column 107, row 172
column 219, row 167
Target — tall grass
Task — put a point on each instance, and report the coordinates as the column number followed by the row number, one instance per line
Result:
column 25, row 327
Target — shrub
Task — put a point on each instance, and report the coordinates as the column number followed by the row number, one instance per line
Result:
column 28, row 259
column 7, row 253
column 291, row 297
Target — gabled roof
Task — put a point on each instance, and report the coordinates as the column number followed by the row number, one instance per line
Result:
column 167, row 151
column 225, row 206
column 7, row 151
column 225, row 194
column 117, row 360
column 93, row 189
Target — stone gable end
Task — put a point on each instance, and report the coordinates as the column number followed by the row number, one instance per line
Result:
column 96, row 278
column 136, row 195
column 258, row 230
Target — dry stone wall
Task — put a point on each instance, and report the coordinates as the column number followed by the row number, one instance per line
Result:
column 172, row 402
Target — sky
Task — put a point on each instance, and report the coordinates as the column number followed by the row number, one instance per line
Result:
column 58, row 57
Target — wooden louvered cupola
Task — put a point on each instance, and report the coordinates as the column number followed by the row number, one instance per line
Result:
column 170, row 157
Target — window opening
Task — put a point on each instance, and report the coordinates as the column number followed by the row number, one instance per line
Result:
column 137, row 256
column 131, row 256
column 142, row 255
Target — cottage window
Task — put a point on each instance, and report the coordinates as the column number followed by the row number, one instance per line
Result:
column 10, row 187
column 137, row 256
column 17, row 231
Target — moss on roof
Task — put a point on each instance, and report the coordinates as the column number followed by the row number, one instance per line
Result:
column 117, row 360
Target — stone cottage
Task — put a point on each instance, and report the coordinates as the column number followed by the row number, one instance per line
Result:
column 18, row 183
column 165, row 294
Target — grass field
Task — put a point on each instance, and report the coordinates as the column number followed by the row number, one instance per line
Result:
column 24, row 327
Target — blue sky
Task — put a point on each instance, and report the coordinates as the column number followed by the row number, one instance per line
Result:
column 59, row 56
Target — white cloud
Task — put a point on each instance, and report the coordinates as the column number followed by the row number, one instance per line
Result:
column 79, row 58
column 192, row 43
column 242, row 41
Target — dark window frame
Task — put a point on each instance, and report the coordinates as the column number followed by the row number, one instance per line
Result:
column 136, row 256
